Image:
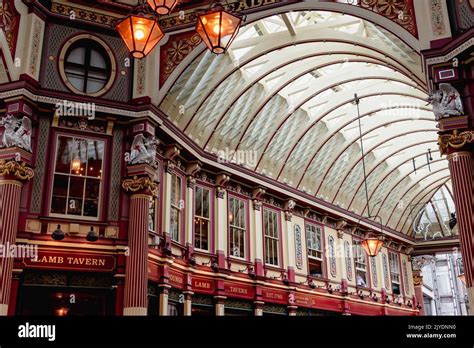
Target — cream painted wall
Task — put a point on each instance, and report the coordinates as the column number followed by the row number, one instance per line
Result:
column 427, row 29
column 287, row 233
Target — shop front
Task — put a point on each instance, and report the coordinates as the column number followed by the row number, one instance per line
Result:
column 65, row 283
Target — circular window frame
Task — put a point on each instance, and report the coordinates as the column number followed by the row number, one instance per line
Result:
column 105, row 46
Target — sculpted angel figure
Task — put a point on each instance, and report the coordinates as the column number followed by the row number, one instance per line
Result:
column 446, row 102
column 17, row 132
column 143, row 150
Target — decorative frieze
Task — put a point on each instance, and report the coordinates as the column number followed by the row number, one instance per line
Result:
column 373, row 267
column 18, row 170
column 401, row 12
column 137, row 184
column 332, row 257
column 347, row 253
column 455, row 140
column 386, row 274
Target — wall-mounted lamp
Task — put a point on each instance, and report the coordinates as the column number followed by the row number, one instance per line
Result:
column 92, row 236
column 58, row 234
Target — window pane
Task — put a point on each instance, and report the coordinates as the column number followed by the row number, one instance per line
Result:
column 174, row 224
column 95, row 151
column 205, row 203
column 73, row 194
column 77, row 82
column 74, row 206
column 97, row 60
column 63, row 157
column 77, row 56
column 91, row 207
column 60, row 186
column 76, row 187
column 198, row 201
column 94, row 85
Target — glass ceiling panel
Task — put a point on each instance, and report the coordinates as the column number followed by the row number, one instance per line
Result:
column 289, row 98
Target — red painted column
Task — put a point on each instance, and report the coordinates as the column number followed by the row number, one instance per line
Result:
column 136, row 270
column 11, row 174
column 461, row 166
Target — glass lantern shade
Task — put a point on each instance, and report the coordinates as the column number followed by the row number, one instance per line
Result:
column 372, row 246
column 140, row 34
column 218, row 28
column 162, row 7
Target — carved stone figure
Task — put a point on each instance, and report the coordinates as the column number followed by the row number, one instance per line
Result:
column 418, row 262
column 17, row 132
column 143, row 150
column 446, row 102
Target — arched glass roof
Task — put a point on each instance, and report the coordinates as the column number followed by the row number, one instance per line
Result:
column 285, row 91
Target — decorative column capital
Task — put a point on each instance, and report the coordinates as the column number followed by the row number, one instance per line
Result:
column 220, row 192
column 191, row 182
column 257, row 205
column 288, row 215
column 16, row 170
column 221, row 180
column 340, row 224
column 169, row 167
column 140, row 185
column 455, row 140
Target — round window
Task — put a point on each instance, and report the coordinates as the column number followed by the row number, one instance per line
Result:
column 88, row 66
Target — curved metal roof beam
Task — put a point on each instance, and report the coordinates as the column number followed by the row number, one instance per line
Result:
column 310, row 39
column 394, row 186
column 348, row 98
column 275, row 63
column 379, row 163
column 379, row 183
column 349, row 144
column 328, row 82
column 431, row 190
column 405, row 193
column 287, row 117
column 384, row 178
column 429, row 119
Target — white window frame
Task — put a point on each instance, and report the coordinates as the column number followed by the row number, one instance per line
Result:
column 270, row 239
column 101, row 186
column 241, row 231
column 175, row 206
column 395, row 272
column 206, row 220
column 360, row 262
column 312, row 253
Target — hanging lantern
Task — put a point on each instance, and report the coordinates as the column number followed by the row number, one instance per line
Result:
column 372, row 245
column 162, row 7
column 140, row 33
column 218, row 28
